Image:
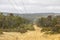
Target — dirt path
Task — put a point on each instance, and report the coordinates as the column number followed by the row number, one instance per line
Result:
column 30, row 35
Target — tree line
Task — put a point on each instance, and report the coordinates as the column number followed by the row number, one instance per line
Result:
column 50, row 23
column 11, row 22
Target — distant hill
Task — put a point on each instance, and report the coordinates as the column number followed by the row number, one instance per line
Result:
column 32, row 16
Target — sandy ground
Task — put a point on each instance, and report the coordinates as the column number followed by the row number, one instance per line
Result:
column 30, row 35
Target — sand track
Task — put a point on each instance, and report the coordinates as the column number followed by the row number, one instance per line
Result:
column 30, row 35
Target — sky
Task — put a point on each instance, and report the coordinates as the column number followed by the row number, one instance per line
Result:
column 30, row 6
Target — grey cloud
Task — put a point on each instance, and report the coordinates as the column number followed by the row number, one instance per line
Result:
column 30, row 6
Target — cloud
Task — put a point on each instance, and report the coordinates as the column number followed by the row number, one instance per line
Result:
column 9, row 8
column 30, row 6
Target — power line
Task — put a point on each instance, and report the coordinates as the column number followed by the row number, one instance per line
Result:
column 17, row 7
column 24, row 6
column 14, row 5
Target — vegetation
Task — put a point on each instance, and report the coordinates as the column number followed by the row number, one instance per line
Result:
column 50, row 24
column 12, row 23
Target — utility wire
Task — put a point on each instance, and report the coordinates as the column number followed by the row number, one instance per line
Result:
column 17, row 7
column 14, row 5
column 24, row 6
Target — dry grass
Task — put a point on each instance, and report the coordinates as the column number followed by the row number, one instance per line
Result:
column 30, row 35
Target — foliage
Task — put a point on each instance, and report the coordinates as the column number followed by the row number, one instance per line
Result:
column 49, row 25
column 11, row 22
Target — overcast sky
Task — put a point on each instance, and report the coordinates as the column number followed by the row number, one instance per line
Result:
column 30, row 6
